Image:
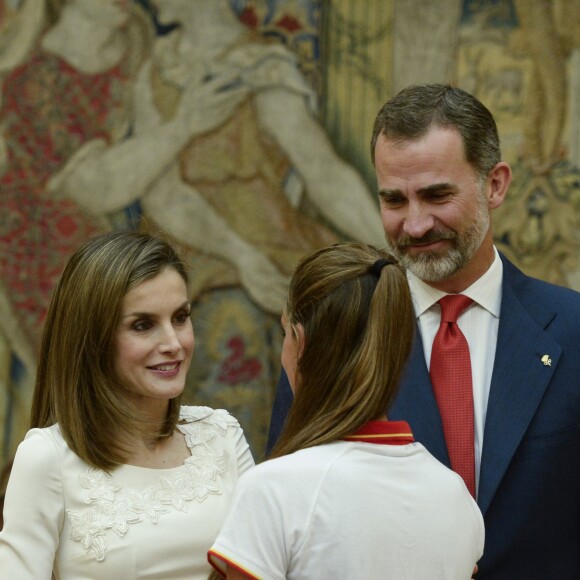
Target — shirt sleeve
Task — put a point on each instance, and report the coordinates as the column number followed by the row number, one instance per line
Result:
column 33, row 509
column 252, row 538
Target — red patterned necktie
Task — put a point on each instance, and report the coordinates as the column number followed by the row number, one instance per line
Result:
column 451, row 378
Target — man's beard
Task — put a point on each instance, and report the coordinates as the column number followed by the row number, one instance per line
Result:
column 436, row 266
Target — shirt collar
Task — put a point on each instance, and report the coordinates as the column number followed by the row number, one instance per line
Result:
column 485, row 291
column 383, row 433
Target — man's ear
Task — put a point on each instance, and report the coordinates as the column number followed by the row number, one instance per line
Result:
column 498, row 183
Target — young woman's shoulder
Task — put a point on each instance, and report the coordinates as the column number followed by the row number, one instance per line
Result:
column 304, row 467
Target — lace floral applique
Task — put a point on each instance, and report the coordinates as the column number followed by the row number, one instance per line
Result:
column 87, row 529
column 198, row 479
column 147, row 503
column 100, row 486
column 117, row 516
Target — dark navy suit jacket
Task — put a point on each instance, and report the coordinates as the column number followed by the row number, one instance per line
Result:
column 529, row 485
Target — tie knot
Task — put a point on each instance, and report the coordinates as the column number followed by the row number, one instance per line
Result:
column 452, row 306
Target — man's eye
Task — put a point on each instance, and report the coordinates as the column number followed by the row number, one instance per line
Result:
column 392, row 201
column 439, row 195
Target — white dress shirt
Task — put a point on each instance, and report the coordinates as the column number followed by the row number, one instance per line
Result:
column 479, row 323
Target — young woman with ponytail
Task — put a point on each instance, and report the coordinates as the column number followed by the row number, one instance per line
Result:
column 346, row 493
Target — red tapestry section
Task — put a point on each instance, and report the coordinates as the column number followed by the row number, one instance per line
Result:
column 49, row 110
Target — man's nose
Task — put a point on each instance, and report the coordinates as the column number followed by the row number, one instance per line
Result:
column 418, row 220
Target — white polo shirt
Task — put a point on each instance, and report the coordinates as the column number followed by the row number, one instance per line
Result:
column 365, row 507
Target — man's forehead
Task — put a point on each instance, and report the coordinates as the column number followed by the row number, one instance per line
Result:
column 438, row 149
column 434, row 132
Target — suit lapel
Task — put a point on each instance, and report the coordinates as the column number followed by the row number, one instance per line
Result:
column 518, row 383
column 416, row 404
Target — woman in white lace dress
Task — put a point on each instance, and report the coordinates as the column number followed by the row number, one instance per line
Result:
column 116, row 479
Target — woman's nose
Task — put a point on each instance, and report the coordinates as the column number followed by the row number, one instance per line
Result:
column 169, row 340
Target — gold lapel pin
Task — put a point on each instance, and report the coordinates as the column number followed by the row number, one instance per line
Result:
column 547, row 360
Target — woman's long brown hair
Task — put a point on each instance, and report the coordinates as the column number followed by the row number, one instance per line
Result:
column 358, row 334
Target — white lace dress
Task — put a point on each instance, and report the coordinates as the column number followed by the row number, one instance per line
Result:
column 65, row 518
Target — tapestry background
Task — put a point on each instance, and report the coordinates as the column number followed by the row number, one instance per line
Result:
column 89, row 145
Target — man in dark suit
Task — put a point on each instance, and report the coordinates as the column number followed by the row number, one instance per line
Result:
column 439, row 172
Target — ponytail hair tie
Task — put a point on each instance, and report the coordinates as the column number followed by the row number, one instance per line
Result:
column 378, row 266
